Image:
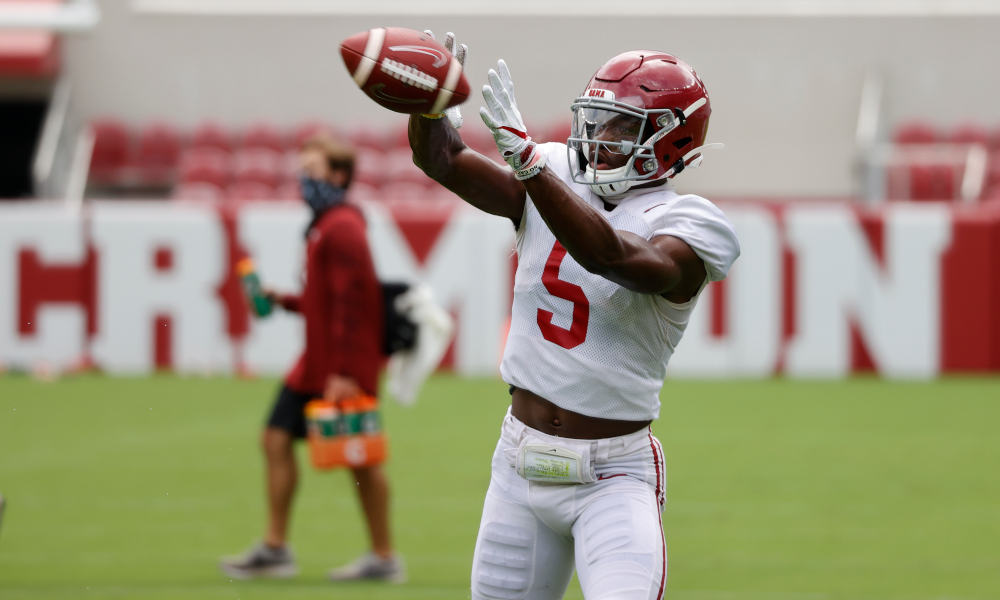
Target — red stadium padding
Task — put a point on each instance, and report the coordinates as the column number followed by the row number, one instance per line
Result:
column 264, row 135
column 994, row 140
column 291, row 165
column 992, row 193
column 158, row 153
column 205, row 165
column 366, row 137
column 198, row 190
column 480, row 140
column 929, row 182
column 289, row 190
column 370, row 167
column 259, row 165
column 993, row 170
column 558, row 131
column 362, row 192
column 400, row 169
column 31, row 54
column 212, row 135
column 404, row 191
column 969, row 133
column 111, row 153
column 251, row 190
column 398, row 137
column 304, row 131
column 915, row 132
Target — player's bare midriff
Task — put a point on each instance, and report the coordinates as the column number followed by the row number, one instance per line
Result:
column 540, row 414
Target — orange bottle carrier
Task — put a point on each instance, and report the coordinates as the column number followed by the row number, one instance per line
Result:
column 347, row 433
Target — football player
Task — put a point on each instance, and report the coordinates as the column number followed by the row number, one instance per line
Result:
column 611, row 262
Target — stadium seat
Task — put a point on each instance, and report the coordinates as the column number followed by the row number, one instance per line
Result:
column 897, row 182
column 259, row 165
column 969, row 133
column 402, row 170
column 111, row 153
column 289, row 190
column 211, row 135
column 206, row 165
column 158, row 153
column 929, row 182
column 251, row 190
column 306, row 130
column 398, row 137
column 480, row 140
column 370, row 167
column 198, row 190
column 366, row 137
column 993, row 170
column 440, row 194
column 557, row 131
column 263, row 135
column 915, row 132
column 403, row 191
column 291, row 165
column 362, row 192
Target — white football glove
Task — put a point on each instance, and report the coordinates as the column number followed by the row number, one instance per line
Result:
column 454, row 114
column 509, row 132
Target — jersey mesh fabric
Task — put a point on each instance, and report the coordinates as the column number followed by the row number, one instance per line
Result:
column 617, row 369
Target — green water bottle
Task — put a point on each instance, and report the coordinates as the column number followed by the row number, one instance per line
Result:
column 259, row 303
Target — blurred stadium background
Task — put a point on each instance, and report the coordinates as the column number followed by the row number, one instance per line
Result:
column 830, row 423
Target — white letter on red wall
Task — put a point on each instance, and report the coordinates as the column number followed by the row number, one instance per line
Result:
column 160, row 269
column 895, row 305
column 43, row 285
column 751, row 310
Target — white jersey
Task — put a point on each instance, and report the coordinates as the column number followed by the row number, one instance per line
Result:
column 587, row 344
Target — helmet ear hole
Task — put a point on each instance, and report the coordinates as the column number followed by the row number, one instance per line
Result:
column 682, row 142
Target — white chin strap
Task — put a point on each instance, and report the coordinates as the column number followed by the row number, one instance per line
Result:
column 608, row 191
column 694, row 158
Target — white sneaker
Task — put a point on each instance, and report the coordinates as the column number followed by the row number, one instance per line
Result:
column 261, row 561
column 408, row 369
column 371, row 567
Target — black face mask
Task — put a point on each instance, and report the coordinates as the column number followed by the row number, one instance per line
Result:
column 320, row 195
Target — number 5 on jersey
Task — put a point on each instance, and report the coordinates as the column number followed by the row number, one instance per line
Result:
column 577, row 332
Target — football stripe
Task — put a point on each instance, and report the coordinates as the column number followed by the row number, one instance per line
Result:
column 373, row 48
column 454, row 72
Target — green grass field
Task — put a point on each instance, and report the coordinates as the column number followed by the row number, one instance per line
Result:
column 132, row 488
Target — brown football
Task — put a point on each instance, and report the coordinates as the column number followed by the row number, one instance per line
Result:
column 404, row 70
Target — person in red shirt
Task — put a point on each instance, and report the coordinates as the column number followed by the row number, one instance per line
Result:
column 341, row 304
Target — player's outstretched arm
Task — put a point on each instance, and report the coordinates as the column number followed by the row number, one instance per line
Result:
column 439, row 151
column 666, row 265
column 443, row 156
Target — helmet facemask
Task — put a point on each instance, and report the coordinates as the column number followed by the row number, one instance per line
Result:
column 603, row 130
column 603, row 127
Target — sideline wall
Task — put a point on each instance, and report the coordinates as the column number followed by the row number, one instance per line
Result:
column 821, row 289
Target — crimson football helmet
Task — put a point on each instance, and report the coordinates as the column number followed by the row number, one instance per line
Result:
column 647, row 105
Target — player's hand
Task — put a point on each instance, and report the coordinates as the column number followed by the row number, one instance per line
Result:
column 454, row 114
column 504, row 120
column 272, row 296
column 339, row 387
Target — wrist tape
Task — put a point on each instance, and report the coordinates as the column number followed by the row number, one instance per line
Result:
column 533, row 166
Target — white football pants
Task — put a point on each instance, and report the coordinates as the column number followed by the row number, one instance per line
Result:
column 532, row 532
